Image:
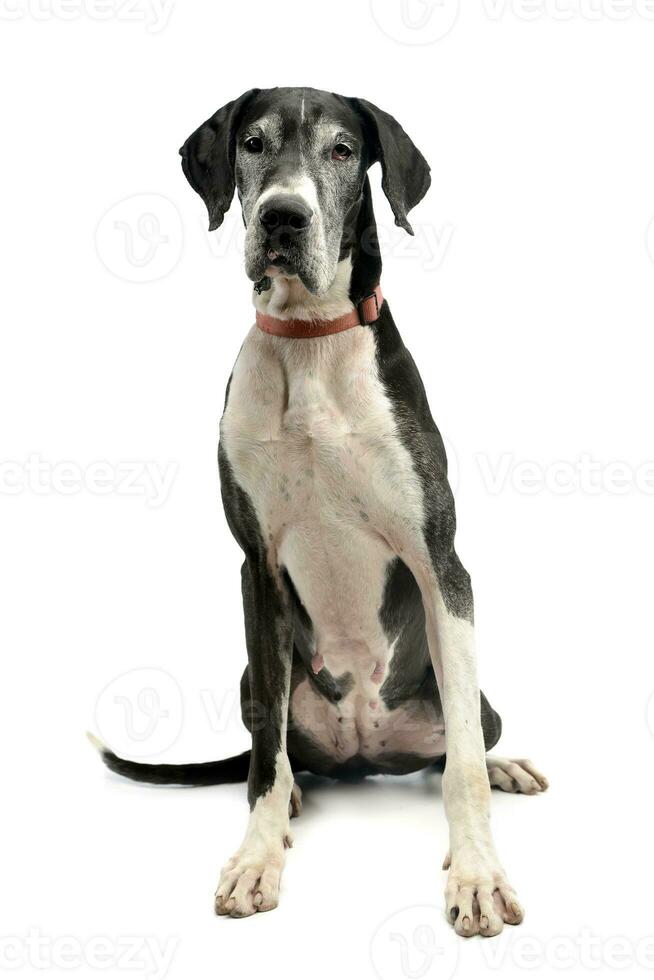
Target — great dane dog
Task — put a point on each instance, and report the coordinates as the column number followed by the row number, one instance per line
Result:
column 358, row 612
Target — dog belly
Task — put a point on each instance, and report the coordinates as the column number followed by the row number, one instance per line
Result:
column 398, row 740
column 339, row 573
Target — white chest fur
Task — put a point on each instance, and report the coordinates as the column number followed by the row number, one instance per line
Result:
column 311, row 438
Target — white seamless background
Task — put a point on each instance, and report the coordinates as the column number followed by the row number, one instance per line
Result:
column 121, row 318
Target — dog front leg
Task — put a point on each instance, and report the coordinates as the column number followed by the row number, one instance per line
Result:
column 250, row 881
column 478, row 895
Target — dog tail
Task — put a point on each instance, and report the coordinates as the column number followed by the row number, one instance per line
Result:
column 233, row 770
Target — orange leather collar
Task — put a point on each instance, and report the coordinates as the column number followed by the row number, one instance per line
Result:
column 366, row 312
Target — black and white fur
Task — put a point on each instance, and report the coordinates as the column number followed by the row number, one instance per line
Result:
column 358, row 612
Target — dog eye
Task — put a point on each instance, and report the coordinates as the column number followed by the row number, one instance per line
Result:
column 341, row 152
column 253, row 144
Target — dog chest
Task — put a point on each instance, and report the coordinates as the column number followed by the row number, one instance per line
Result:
column 311, row 437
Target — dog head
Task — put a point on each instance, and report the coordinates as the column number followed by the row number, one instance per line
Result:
column 298, row 159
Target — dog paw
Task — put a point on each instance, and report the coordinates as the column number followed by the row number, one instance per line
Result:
column 249, row 882
column 515, row 775
column 480, row 903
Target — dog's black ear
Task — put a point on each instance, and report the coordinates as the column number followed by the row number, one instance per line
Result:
column 405, row 172
column 208, row 158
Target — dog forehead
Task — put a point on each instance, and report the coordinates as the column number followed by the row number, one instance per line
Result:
column 307, row 112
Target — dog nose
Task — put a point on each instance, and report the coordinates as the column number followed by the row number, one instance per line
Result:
column 285, row 215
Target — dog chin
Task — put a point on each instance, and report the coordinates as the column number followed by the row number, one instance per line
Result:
column 315, row 277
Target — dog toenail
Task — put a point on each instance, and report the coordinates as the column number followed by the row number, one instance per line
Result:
column 454, row 913
column 466, row 922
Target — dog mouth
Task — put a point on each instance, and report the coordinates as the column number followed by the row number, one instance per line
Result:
column 275, row 258
column 280, row 263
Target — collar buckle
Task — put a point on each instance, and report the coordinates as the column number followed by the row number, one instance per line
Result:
column 369, row 306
